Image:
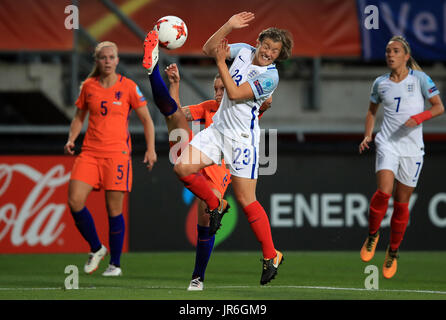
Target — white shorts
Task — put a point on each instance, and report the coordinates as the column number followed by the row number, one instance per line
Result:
column 242, row 159
column 406, row 169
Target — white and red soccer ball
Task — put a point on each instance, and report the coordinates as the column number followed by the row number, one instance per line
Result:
column 172, row 32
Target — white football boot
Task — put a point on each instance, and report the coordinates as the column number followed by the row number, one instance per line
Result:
column 112, row 271
column 93, row 260
column 196, row 285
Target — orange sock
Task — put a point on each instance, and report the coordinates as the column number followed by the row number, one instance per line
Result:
column 259, row 223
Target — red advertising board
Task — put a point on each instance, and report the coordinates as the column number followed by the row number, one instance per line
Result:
column 34, row 215
column 319, row 28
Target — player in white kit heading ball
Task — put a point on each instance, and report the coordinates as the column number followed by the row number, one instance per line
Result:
column 234, row 134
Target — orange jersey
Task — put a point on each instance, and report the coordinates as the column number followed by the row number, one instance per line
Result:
column 109, row 111
column 219, row 175
column 204, row 111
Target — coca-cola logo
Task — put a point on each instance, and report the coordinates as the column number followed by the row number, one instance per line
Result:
column 31, row 218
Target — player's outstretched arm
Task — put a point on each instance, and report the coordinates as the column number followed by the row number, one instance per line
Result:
column 173, row 75
column 150, row 156
column 237, row 21
column 75, row 130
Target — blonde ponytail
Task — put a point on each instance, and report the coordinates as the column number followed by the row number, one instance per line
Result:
column 411, row 63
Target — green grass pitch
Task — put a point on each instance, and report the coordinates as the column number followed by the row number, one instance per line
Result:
column 230, row 276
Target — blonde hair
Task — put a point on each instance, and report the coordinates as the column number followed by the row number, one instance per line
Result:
column 95, row 71
column 411, row 63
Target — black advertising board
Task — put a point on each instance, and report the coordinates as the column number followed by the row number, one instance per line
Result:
column 315, row 201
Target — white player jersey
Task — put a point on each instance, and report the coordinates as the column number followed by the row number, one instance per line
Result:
column 239, row 119
column 401, row 101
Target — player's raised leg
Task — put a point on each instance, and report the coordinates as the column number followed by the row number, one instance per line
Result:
column 188, row 169
column 175, row 118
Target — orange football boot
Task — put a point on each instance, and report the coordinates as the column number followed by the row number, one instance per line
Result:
column 369, row 246
column 390, row 263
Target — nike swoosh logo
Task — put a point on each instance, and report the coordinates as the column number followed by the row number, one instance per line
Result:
column 241, row 58
column 276, row 265
column 238, row 168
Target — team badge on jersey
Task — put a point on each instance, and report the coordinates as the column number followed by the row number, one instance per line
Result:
column 252, row 74
column 410, row 87
column 267, row 83
column 118, row 95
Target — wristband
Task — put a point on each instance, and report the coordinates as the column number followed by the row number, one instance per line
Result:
column 421, row 117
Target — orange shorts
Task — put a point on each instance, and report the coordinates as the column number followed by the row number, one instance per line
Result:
column 218, row 177
column 104, row 173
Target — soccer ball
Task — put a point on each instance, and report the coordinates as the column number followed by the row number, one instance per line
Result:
column 172, row 32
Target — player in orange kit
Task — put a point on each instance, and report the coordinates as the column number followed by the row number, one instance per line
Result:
column 217, row 176
column 105, row 161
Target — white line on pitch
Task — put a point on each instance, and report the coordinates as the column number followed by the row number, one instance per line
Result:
column 244, row 287
column 31, row 289
column 345, row 289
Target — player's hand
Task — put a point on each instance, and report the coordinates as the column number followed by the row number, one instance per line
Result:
column 241, row 20
column 69, row 148
column 221, row 51
column 150, row 158
column 266, row 104
column 365, row 144
column 411, row 123
column 173, row 74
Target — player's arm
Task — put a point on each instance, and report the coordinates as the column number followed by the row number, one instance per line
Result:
column 435, row 110
column 237, row 21
column 173, row 75
column 187, row 113
column 234, row 92
column 437, row 107
column 75, row 129
column 150, row 156
column 369, row 126
column 265, row 106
